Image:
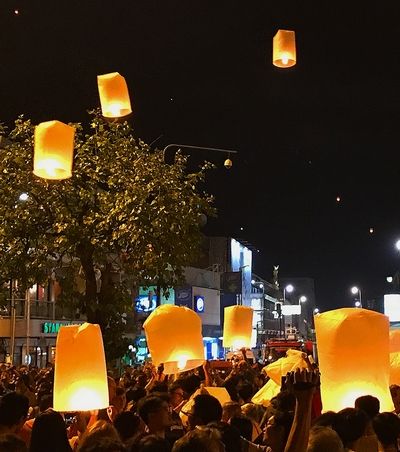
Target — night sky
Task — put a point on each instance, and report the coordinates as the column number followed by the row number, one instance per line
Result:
column 200, row 72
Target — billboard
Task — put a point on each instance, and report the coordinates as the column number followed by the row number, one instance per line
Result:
column 291, row 309
column 391, row 303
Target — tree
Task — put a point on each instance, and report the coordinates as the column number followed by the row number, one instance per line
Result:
column 124, row 214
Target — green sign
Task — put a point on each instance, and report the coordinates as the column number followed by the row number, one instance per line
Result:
column 54, row 327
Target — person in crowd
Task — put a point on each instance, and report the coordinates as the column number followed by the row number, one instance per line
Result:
column 155, row 413
column 395, row 393
column 103, row 445
column 119, row 401
column 205, row 409
column 230, row 436
column 205, row 439
column 133, row 395
column 255, row 413
column 176, row 395
column 12, row 443
column 350, row 424
column 324, row 439
column 128, row 425
column 244, row 426
column 49, row 433
column 151, row 443
column 22, row 386
column 13, row 412
column 100, row 432
column 370, row 405
column 246, row 392
column 387, row 429
column 229, row 410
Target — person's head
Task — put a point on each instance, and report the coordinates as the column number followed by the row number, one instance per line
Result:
column 152, row 443
column 13, row 411
column 159, row 387
column 229, row 410
column 230, row 436
column 277, row 430
column 395, row 393
column 49, row 433
column 244, row 425
column 324, row 439
column 102, row 445
column 245, row 391
column 189, row 384
column 369, row 404
column 284, row 401
column 205, row 439
column 176, row 394
column 325, row 419
column 205, row 409
column 387, row 428
column 119, row 401
column 155, row 413
column 12, row 443
column 127, row 425
column 45, row 402
column 99, row 431
column 350, row 425
column 253, row 411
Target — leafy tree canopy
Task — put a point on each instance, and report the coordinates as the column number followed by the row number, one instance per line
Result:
column 123, row 210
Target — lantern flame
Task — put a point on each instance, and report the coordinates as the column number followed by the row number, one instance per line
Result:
column 285, row 60
column 182, row 361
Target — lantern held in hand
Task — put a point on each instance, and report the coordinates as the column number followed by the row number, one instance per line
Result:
column 54, row 150
column 353, row 352
column 114, row 95
column 284, row 49
column 80, row 380
column 173, row 335
column 238, row 326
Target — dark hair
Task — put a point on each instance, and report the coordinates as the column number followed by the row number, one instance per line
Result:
column 230, row 436
column 152, row 443
column 148, row 405
column 103, row 444
column 49, row 433
column 119, row 391
column 284, row 401
column 369, row 404
column 325, row 419
column 159, row 387
column 245, row 391
column 350, row 424
column 197, row 440
column 189, row 383
column 244, row 425
column 207, row 408
column 127, row 424
column 13, row 408
column 12, row 443
column 174, row 386
column 387, row 428
column 135, row 394
column 45, row 402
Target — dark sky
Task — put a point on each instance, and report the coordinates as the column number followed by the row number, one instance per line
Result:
column 200, row 72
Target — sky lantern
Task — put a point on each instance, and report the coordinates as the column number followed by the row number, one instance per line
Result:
column 284, row 49
column 394, row 344
column 54, row 150
column 238, row 327
column 353, row 352
column 173, row 335
column 80, row 380
column 114, row 95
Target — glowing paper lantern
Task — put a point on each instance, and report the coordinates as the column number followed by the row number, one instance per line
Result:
column 353, row 351
column 294, row 359
column 266, row 393
column 54, row 150
column 284, row 49
column 80, row 380
column 394, row 341
column 114, row 95
column 173, row 335
column 238, row 327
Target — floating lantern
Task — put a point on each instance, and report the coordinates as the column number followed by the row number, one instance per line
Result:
column 394, row 341
column 80, row 380
column 54, row 150
column 238, row 327
column 114, row 95
column 353, row 352
column 173, row 335
column 284, row 49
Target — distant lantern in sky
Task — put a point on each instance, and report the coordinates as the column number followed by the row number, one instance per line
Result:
column 80, row 379
column 173, row 335
column 237, row 327
column 338, row 199
column 347, row 338
column 114, row 95
column 284, row 49
column 54, row 150
column 371, row 230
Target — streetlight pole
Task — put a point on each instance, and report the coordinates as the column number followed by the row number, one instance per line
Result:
column 356, row 290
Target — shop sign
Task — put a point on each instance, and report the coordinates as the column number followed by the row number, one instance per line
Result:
column 54, row 327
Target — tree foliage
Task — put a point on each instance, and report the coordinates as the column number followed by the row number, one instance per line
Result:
column 123, row 211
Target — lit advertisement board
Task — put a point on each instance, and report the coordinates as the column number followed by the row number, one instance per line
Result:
column 291, row 309
column 391, row 303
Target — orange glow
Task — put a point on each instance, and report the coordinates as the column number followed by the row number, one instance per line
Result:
column 114, row 95
column 284, row 49
column 174, row 338
column 237, row 327
column 80, row 380
column 394, row 339
column 353, row 352
column 54, row 150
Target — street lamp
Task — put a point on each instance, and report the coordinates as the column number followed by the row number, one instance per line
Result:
column 316, row 311
column 288, row 289
column 355, row 290
column 302, row 299
column 228, row 162
column 389, row 279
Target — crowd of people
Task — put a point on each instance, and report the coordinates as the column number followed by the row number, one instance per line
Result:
column 150, row 411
